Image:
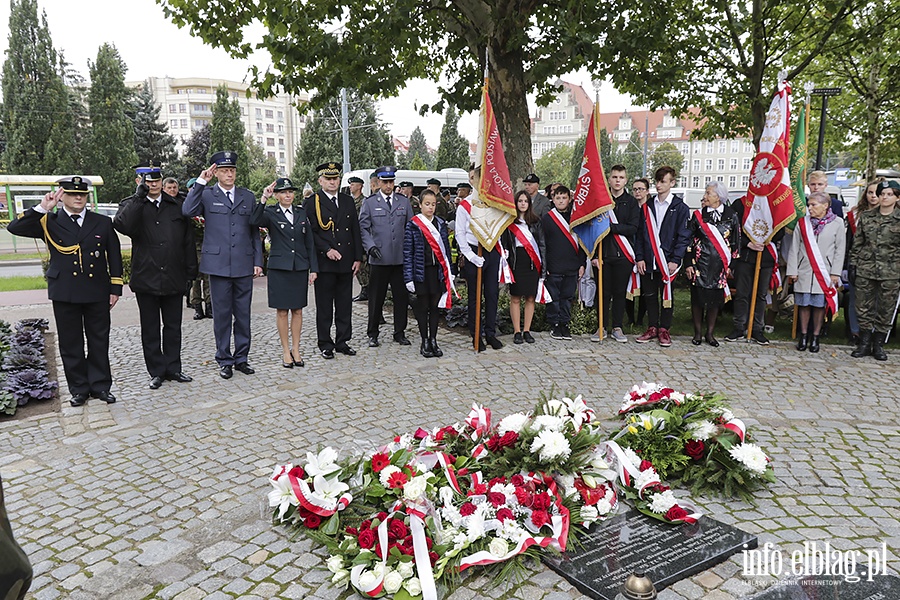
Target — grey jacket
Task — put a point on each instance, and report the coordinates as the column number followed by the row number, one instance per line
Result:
column 383, row 228
column 831, row 242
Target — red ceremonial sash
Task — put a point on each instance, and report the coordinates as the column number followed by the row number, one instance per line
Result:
column 719, row 243
column 432, row 236
column 527, row 240
column 817, row 262
column 775, row 280
column 564, row 227
column 659, row 257
column 634, row 282
column 851, row 221
column 466, row 205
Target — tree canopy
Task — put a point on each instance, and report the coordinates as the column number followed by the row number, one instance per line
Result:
column 418, row 147
column 666, row 155
column 152, row 139
column 454, row 149
column 556, row 165
column 226, row 132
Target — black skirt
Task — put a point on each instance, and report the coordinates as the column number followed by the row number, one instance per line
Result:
column 432, row 285
column 707, row 296
column 525, row 275
column 288, row 290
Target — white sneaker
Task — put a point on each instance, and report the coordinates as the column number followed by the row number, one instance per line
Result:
column 618, row 335
column 596, row 337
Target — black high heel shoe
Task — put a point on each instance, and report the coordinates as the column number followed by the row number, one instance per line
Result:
column 712, row 341
column 288, row 365
column 696, row 341
column 297, row 363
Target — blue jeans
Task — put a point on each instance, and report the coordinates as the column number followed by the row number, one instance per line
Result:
column 562, row 290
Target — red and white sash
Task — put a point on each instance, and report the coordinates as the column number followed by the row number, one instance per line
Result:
column 775, row 282
column 523, row 234
column 434, row 240
column 564, row 227
column 817, row 262
column 466, row 205
column 851, row 221
column 634, row 282
column 659, row 257
column 719, row 243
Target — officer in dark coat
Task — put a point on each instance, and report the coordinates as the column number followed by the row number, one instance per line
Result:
column 163, row 261
column 84, row 281
column 231, row 256
column 382, row 225
column 335, row 228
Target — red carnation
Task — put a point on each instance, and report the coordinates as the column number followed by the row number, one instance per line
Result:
column 297, row 472
column 542, row 501
column 433, row 557
column 655, row 396
column 645, row 464
column 508, row 439
column 351, row 531
column 495, row 481
column 381, row 516
column 313, row 521
column 496, row 499
column 504, row 513
column 467, row 509
column 666, row 392
column 524, row 497
column 493, row 443
column 397, row 529
column 397, row 480
column 380, row 461
column 694, row 449
column 517, row 480
column 676, row 513
column 540, row 518
column 480, row 488
column 366, row 538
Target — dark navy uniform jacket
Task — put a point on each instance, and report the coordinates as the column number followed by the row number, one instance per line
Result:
column 292, row 247
column 334, row 226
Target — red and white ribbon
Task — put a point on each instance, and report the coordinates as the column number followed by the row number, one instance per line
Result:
column 719, row 243
column 634, row 282
column 466, row 204
column 314, row 503
column 737, row 427
column 543, row 296
column 433, row 238
column 817, row 262
column 564, row 227
column 775, row 282
column 660, row 257
column 628, row 471
column 479, row 419
column 523, row 234
column 505, row 274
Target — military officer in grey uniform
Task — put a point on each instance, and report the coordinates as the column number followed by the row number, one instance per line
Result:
column 335, row 228
column 84, row 281
column 540, row 204
column 231, row 256
column 382, row 225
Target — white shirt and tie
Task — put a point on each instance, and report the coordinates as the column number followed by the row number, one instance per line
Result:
column 387, row 200
column 77, row 218
column 661, row 207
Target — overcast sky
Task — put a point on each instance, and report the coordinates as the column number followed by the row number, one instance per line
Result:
column 152, row 46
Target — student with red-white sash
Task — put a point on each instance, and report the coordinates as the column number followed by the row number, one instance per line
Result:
column 814, row 267
column 620, row 278
column 428, row 270
column 523, row 240
column 661, row 243
column 565, row 263
column 716, row 240
column 868, row 201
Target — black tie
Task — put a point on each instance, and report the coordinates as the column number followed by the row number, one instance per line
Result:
column 75, row 219
column 228, row 195
column 287, row 215
column 388, row 200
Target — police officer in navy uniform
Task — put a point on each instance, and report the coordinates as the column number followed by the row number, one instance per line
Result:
column 382, row 224
column 231, row 256
column 335, row 227
column 163, row 261
column 84, row 281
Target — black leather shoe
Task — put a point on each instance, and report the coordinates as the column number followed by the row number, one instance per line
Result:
column 155, row 383
column 328, row 354
column 346, row 350
column 208, row 313
column 712, row 341
column 400, row 338
column 425, row 349
column 362, row 297
column 814, row 344
column 482, row 345
column 802, row 341
column 244, row 368
column 494, row 342
column 198, row 313
column 106, row 396
column 78, row 399
column 373, row 342
column 225, row 372
column 179, row 377
column 434, row 348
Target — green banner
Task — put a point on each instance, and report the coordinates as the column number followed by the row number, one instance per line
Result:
column 799, row 157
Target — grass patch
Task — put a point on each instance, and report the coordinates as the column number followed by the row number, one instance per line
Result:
column 21, row 256
column 22, row 282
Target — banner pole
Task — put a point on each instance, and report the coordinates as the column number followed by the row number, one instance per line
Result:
column 753, row 296
column 477, row 340
column 600, row 291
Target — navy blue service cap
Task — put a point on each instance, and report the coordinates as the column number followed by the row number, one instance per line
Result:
column 387, row 173
column 283, row 184
column 226, row 158
column 532, row 178
column 330, row 169
column 150, row 169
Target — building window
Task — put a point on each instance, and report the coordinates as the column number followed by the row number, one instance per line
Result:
column 748, row 148
column 720, row 178
column 710, row 147
column 685, row 147
column 259, row 113
column 270, row 141
column 201, row 90
column 234, row 95
column 269, row 114
column 173, row 108
column 696, row 182
column 270, row 154
column 184, row 123
column 281, row 115
column 259, row 140
column 721, row 164
column 259, row 127
column 199, row 107
column 199, row 123
column 270, row 128
column 745, row 180
column 281, row 129
column 535, row 148
column 732, row 164
column 747, row 162
column 735, row 146
column 696, row 164
column 709, row 164
column 722, row 146
column 281, row 142
column 173, row 123
column 698, row 147
column 182, row 108
column 281, row 156
column 732, row 182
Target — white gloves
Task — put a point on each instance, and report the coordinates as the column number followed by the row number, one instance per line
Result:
column 411, row 287
column 476, row 260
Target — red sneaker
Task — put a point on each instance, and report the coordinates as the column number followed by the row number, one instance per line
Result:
column 648, row 335
column 665, row 340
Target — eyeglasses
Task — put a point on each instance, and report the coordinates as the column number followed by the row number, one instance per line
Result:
column 639, row 189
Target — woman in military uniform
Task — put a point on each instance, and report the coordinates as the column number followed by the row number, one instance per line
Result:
column 875, row 271
column 292, row 263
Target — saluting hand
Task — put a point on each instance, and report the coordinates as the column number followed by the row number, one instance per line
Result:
column 51, row 199
column 209, row 173
column 267, row 193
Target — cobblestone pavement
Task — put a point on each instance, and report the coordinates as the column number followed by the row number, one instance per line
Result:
column 162, row 495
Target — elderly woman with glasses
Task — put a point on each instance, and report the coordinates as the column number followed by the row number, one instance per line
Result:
column 810, row 285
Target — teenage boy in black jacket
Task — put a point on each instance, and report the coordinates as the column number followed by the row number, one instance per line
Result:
column 565, row 263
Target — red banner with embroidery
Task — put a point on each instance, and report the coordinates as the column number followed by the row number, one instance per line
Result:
column 433, row 238
column 817, row 262
column 659, row 257
column 719, row 243
column 564, row 227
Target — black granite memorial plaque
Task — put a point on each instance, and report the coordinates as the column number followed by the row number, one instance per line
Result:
column 817, row 587
column 630, row 542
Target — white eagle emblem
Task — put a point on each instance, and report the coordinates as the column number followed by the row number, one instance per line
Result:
column 763, row 173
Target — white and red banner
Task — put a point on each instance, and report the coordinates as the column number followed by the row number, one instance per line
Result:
column 817, row 262
column 769, row 203
column 592, row 197
column 433, row 238
column 719, row 243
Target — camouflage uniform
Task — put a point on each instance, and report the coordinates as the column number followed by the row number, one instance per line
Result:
column 362, row 276
column 876, row 247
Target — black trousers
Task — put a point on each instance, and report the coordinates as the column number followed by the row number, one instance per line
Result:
column 380, row 276
column 162, row 354
column 334, row 304
column 615, row 285
column 232, row 297
column 652, row 288
column 490, row 284
column 74, row 323
column 743, row 289
column 427, row 314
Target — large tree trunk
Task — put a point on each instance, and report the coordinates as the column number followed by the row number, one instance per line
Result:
column 507, row 90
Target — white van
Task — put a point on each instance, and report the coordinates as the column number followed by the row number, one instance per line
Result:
column 692, row 196
column 448, row 178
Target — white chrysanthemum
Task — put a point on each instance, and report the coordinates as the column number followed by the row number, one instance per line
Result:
column 678, row 397
column 451, row 515
column 702, row 430
column 386, row 474
column 515, row 422
column 552, row 445
column 548, row 422
column 646, row 477
column 632, row 456
column 446, row 494
column 555, row 407
column 512, row 531
column 727, row 415
column 589, row 514
column 507, row 489
column 475, row 526
column 603, row 506
column 662, row 502
column 751, row 456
